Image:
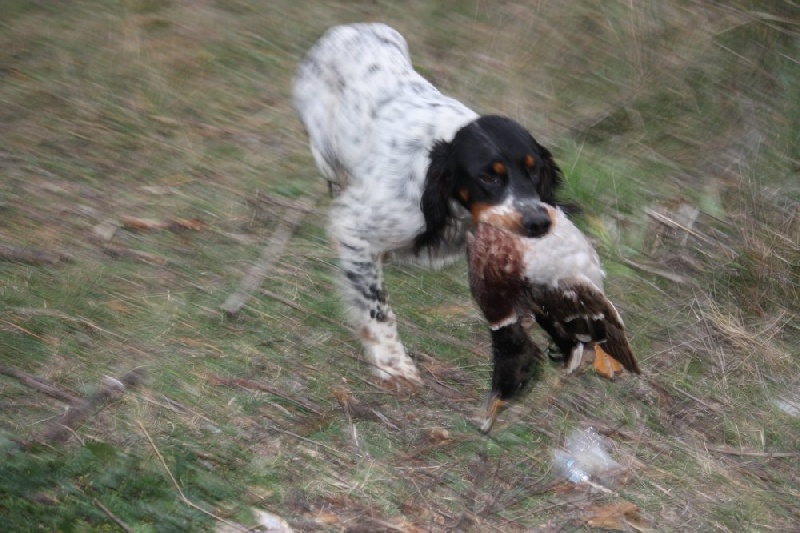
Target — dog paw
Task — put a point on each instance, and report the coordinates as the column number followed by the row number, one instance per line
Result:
column 400, row 386
column 394, row 367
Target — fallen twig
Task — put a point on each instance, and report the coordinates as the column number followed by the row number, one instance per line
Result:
column 269, row 255
column 667, row 221
column 333, row 451
column 698, row 400
column 305, row 310
column 441, row 337
column 354, row 409
column 752, row 453
column 38, row 384
column 62, row 428
column 308, row 312
column 183, row 497
column 30, row 256
column 343, row 397
column 675, row 278
column 404, row 324
column 121, row 252
column 286, row 203
column 256, row 385
column 54, row 313
column 172, row 224
column 122, row 525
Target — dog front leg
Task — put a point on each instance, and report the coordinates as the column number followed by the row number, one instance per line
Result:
column 370, row 314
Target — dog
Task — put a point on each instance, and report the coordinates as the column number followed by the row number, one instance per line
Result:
column 416, row 170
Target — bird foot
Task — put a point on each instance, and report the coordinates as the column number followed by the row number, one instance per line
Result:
column 554, row 354
column 604, row 364
column 492, row 409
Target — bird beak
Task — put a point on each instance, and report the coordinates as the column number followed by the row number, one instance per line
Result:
column 492, row 408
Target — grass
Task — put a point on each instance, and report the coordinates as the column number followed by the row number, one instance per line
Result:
column 173, row 110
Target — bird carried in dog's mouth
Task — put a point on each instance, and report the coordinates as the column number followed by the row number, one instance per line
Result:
column 556, row 278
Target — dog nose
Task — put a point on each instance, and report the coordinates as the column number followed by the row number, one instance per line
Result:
column 536, row 223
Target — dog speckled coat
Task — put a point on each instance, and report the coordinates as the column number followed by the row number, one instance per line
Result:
column 416, row 169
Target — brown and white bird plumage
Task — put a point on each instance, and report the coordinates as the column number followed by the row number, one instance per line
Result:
column 564, row 292
column 558, row 279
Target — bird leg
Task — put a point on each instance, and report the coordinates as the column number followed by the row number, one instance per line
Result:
column 493, row 407
column 559, row 342
column 517, row 361
column 575, row 357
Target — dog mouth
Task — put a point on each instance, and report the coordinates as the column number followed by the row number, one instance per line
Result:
column 526, row 219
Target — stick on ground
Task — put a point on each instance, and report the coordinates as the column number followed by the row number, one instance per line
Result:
column 61, row 428
column 38, row 384
column 114, row 518
column 175, row 484
column 269, row 255
column 30, row 256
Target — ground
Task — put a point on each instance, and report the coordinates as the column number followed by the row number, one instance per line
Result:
column 149, row 155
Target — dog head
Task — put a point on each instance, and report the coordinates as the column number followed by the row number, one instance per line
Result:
column 495, row 169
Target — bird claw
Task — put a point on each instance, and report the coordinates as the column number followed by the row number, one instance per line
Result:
column 554, row 354
column 492, row 409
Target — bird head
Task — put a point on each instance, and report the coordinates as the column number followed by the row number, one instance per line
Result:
column 496, row 272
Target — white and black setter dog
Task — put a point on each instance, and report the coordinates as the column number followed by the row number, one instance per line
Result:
column 416, row 169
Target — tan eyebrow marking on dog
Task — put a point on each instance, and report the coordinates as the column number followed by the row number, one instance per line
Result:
column 529, row 161
column 499, row 168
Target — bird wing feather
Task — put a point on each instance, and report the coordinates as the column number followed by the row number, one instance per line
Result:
column 582, row 313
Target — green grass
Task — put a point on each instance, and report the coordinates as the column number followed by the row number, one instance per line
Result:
column 174, row 110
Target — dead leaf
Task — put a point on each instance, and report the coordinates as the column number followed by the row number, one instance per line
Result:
column 614, row 516
column 118, row 306
column 401, row 524
column 326, row 518
column 438, row 435
column 342, row 396
column 173, row 224
column 192, row 224
column 139, row 223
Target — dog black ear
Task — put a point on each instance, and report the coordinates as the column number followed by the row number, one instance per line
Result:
column 440, row 182
column 550, row 176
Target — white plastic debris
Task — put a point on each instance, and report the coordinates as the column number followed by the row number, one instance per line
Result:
column 273, row 523
column 584, row 457
column 569, row 467
column 267, row 523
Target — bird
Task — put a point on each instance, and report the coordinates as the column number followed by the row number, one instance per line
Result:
column 415, row 169
column 557, row 279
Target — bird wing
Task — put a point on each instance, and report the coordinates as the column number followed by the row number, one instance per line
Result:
column 582, row 313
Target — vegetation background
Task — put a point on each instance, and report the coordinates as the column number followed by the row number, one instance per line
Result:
column 148, row 152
